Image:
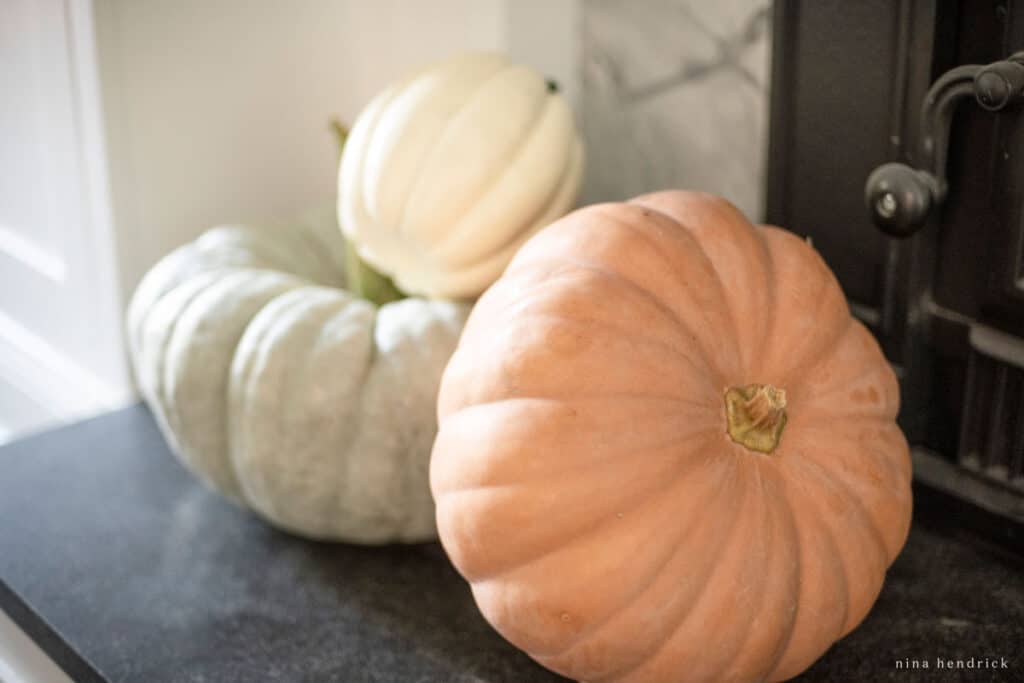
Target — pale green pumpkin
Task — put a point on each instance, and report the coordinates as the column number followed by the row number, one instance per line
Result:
column 285, row 392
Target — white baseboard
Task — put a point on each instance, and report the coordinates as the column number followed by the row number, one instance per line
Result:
column 7, row 429
column 20, row 414
column 40, row 385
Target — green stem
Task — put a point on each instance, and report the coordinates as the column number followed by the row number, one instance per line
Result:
column 361, row 278
column 364, row 281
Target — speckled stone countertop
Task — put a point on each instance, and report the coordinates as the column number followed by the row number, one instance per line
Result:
column 123, row 568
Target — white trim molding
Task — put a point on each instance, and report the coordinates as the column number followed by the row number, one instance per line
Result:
column 50, row 379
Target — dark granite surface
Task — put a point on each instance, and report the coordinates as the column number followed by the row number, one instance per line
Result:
column 124, row 569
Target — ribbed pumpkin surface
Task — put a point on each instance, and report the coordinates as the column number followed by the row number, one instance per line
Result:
column 588, row 480
column 448, row 172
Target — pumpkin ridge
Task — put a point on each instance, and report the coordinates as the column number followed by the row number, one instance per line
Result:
column 406, row 514
column 428, row 156
column 822, row 353
column 580, row 371
column 223, row 287
column 612, row 329
column 722, row 545
column 584, row 531
column 810, row 404
column 835, row 431
column 634, row 337
column 550, row 281
column 435, row 143
column 771, row 296
column 748, row 631
column 556, row 204
column 786, row 667
column 459, row 282
column 674, row 273
column 502, row 172
column 737, row 328
column 156, row 390
column 773, row 314
column 642, row 586
column 408, row 518
column 541, row 550
column 827, row 535
column 619, row 395
column 603, row 461
column 770, row 287
column 727, row 304
column 371, row 117
column 903, row 463
column 806, row 357
column 785, row 508
column 897, row 488
column 905, row 494
column 211, row 281
column 372, row 370
column 632, row 415
column 176, row 423
column 312, row 307
column 259, row 246
column 867, row 520
column 671, row 316
column 544, row 281
column 653, row 201
column 460, row 359
column 876, row 366
column 158, row 387
column 150, row 291
column 761, row 577
column 268, row 335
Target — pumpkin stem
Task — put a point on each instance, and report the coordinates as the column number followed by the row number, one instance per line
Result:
column 755, row 416
column 365, row 281
column 361, row 278
column 340, row 131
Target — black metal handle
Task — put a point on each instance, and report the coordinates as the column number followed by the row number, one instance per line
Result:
column 900, row 198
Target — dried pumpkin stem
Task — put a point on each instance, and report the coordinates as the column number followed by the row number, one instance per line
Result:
column 755, row 416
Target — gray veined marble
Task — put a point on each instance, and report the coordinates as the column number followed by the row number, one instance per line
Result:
column 675, row 95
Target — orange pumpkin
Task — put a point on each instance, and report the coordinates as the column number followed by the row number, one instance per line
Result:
column 666, row 450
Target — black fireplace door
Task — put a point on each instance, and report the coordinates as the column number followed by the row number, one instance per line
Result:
column 857, row 86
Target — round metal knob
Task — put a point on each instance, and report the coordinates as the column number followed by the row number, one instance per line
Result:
column 999, row 85
column 899, row 198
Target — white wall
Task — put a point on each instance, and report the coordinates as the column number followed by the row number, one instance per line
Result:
column 547, row 35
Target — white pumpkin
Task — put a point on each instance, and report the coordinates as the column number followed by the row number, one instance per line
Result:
column 448, row 172
column 287, row 393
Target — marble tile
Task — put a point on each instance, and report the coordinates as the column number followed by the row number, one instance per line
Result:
column 675, row 94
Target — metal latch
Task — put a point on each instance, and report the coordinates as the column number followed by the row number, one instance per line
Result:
column 901, row 198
